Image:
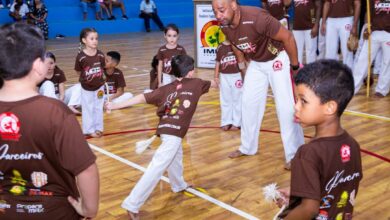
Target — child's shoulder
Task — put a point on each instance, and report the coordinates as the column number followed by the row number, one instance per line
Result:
column 117, row 71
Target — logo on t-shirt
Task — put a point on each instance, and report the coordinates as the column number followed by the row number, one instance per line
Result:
column 382, row 7
column 300, row 2
column 323, row 215
column 38, row 179
column 343, row 199
column 345, row 152
column 9, row 126
column 278, row 65
column 348, row 27
column 352, row 197
column 326, row 201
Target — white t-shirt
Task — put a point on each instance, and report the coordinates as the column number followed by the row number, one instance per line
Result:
column 148, row 8
column 23, row 9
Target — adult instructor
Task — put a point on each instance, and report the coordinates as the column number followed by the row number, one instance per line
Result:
column 271, row 52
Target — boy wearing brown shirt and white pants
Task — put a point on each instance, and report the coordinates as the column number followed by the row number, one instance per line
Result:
column 176, row 103
column 325, row 173
column 42, row 149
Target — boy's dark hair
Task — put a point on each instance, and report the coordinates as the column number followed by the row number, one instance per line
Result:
column 330, row 80
column 20, row 45
column 154, row 63
column 116, row 56
column 182, row 65
column 50, row 55
column 171, row 27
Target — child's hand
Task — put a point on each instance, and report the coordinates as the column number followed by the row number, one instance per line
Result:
column 108, row 106
column 77, row 205
column 285, row 196
column 216, row 79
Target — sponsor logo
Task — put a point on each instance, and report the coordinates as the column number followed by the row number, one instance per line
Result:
column 345, row 152
column 382, row 7
column 186, row 103
column 211, row 35
column 247, row 22
column 169, row 126
column 3, row 206
column 273, row 2
column 247, row 47
column 343, row 200
column 323, row 215
column 339, row 216
column 38, row 192
column 338, row 178
column 9, row 126
column 326, row 201
column 31, row 209
column 278, row 65
column 94, row 72
column 17, row 190
column 238, row 83
column 38, row 179
column 348, row 27
column 300, row 2
column 100, row 94
column 4, row 155
column 352, row 197
column 186, row 93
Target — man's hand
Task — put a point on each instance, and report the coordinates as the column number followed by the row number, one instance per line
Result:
column 314, row 31
column 323, row 28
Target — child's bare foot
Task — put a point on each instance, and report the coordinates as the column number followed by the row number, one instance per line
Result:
column 234, row 128
column 287, row 166
column 133, row 216
column 226, row 127
column 74, row 110
column 98, row 133
column 235, row 154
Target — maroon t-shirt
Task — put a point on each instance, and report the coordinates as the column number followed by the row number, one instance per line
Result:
column 227, row 60
column 58, row 77
column 42, row 149
column 253, row 34
column 275, row 8
column 91, row 68
column 177, row 103
column 114, row 81
column 380, row 15
column 165, row 55
column 305, row 16
column 340, row 8
column 329, row 170
column 153, row 83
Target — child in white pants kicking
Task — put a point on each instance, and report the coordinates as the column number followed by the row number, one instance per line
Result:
column 228, row 76
column 177, row 103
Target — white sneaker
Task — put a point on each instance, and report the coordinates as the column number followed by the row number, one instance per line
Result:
column 1, row 6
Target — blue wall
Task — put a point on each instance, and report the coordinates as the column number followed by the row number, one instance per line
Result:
column 65, row 16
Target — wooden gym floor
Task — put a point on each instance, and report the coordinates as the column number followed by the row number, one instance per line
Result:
column 233, row 184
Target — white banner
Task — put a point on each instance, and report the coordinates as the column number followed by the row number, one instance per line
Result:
column 208, row 36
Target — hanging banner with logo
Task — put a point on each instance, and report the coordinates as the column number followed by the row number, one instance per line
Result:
column 208, row 36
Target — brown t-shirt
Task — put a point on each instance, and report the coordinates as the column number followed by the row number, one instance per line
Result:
column 305, row 16
column 42, row 149
column 58, row 77
column 329, row 170
column 91, row 68
column 176, row 103
column 340, row 8
column 227, row 60
column 380, row 13
column 275, row 8
column 114, row 81
column 165, row 55
column 253, row 35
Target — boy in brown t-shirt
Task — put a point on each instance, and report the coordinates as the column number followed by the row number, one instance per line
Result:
column 115, row 79
column 176, row 103
column 325, row 173
column 47, row 169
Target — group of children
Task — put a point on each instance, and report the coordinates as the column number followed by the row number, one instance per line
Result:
column 325, row 172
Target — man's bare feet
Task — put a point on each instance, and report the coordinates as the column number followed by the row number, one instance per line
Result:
column 226, row 127
column 133, row 216
column 236, row 153
column 234, row 128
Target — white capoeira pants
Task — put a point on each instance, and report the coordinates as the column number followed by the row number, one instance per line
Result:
column 169, row 156
column 72, row 95
column 230, row 99
column 47, row 89
column 303, row 39
column 321, row 43
column 167, row 78
column 379, row 39
column 92, row 110
column 258, row 75
column 338, row 29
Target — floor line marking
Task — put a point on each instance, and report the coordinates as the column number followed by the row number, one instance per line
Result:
column 165, row 179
